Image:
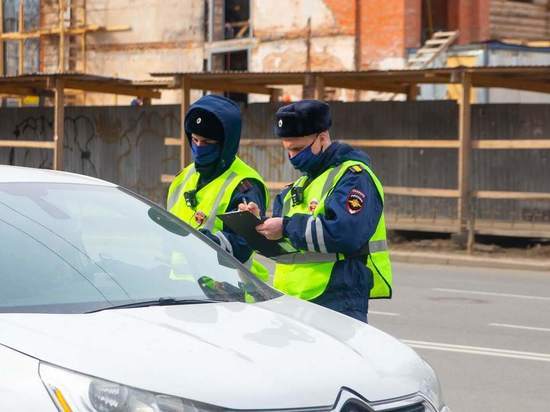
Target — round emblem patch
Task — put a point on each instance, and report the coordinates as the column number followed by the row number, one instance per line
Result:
column 313, row 205
column 199, row 217
column 199, row 120
column 355, row 201
column 280, row 122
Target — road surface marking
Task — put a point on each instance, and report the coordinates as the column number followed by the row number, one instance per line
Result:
column 373, row 312
column 477, row 292
column 505, row 325
column 478, row 350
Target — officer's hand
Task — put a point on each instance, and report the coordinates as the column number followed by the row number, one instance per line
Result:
column 272, row 228
column 251, row 207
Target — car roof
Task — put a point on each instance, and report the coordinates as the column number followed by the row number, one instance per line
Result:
column 16, row 174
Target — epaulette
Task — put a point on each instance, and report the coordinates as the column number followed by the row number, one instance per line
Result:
column 356, row 169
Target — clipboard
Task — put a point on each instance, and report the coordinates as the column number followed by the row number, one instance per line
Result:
column 244, row 224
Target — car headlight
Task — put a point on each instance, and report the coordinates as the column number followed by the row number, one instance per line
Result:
column 75, row 392
column 430, row 389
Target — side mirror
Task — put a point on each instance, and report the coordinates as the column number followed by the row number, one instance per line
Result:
column 168, row 222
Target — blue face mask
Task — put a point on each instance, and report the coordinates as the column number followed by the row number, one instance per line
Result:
column 306, row 160
column 207, row 154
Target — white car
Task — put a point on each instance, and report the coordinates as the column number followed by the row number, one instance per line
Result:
column 108, row 303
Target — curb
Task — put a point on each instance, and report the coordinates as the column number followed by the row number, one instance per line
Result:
column 462, row 260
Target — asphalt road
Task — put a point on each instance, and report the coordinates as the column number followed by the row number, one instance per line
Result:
column 486, row 332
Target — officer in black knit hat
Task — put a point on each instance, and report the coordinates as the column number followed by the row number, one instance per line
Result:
column 218, row 180
column 333, row 214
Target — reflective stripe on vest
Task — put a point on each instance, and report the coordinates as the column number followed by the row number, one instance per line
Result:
column 212, row 199
column 174, row 196
column 306, row 274
column 211, row 217
column 314, row 257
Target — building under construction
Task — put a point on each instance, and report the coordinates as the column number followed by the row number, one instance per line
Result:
column 131, row 39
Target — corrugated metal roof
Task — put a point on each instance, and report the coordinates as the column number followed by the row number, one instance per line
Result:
column 531, row 78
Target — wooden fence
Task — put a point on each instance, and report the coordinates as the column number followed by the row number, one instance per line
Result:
column 416, row 148
column 423, row 159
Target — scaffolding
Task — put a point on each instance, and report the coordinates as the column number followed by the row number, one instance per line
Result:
column 62, row 32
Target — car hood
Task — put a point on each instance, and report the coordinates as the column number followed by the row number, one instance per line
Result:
column 283, row 353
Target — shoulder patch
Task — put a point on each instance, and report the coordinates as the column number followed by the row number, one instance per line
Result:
column 245, row 186
column 356, row 169
column 355, row 201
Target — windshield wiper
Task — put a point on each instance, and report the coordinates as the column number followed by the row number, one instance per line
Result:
column 157, row 302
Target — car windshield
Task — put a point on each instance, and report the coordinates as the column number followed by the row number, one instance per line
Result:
column 73, row 248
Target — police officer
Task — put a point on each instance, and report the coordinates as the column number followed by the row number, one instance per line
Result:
column 217, row 181
column 333, row 214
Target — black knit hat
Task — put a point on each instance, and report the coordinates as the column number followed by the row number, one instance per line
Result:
column 204, row 123
column 302, row 118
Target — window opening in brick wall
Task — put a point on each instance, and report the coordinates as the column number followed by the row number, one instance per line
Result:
column 435, row 17
column 234, row 60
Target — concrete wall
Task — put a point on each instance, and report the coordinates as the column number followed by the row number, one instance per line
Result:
column 165, row 36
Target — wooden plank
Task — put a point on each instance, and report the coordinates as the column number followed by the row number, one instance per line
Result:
column 464, row 152
column 61, row 61
column 511, row 83
column 172, row 141
column 493, row 194
column 59, row 124
column 55, row 31
column 421, row 225
column 517, row 9
column 423, row 143
column 15, row 90
column 1, row 41
column 412, row 92
column 84, row 41
column 413, row 143
column 167, row 178
column 531, row 22
column 421, row 192
column 358, row 84
column 275, row 95
column 227, row 86
column 105, row 87
column 319, row 92
column 260, row 142
column 21, row 25
column 29, row 144
column 511, row 144
column 185, row 151
column 394, row 190
column 446, row 34
column 483, row 227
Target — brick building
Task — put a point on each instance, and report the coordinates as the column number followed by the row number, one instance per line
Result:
column 132, row 38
